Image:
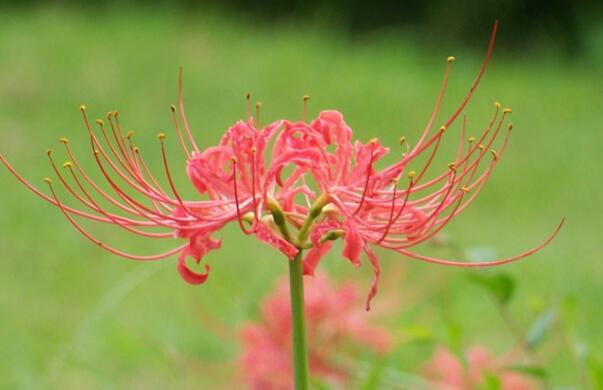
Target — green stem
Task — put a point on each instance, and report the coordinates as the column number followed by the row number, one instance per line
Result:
column 298, row 325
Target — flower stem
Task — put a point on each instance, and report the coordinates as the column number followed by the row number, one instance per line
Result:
column 298, row 325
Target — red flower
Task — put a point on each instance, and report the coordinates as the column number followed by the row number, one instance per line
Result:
column 450, row 373
column 309, row 176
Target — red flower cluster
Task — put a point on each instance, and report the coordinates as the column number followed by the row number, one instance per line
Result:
column 333, row 321
column 307, row 176
column 449, row 372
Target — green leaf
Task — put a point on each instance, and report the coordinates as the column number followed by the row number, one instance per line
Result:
column 540, row 328
column 373, row 379
column 491, row 382
column 533, row 371
column 569, row 310
column 500, row 285
column 418, row 333
column 455, row 336
column 595, row 370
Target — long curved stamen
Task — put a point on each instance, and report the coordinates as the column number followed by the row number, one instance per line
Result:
column 369, row 171
column 247, row 105
column 97, row 146
column 129, row 156
column 236, row 196
column 66, row 185
column 391, row 212
column 305, row 109
column 179, row 132
column 432, row 155
column 440, row 206
column 161, row 137
column 148, row 191
column 148, row 213
column 472, row 149
column 456, row 263
column 91, row 182
column 142, row 167
column 116, row 219
column 258, row 108
column 436, row 109
column 182, row 113
column 50, row 200
column 393, row 220
column 119, row 140
column 437, row 229
column 459, row 150
column 478, row 78
column 124, row 164
column 106, row 247
column 142, row 163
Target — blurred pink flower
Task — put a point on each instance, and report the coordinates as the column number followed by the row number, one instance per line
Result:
column 308, row 175
column 448, row 372
column 333, row 320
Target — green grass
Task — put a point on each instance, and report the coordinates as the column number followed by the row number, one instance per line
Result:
column 73, row 316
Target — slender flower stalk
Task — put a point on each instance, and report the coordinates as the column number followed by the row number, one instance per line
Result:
column 334, row 324
column 295, row 185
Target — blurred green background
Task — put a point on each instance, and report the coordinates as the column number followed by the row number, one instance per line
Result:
column 73, row 316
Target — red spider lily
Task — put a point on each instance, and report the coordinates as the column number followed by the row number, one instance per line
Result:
column 449, row 372
column 308, row 176
column 333, row 322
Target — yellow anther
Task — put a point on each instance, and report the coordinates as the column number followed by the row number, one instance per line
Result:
column 247, row 95
column 464, row 189
column 253, row 149
column 497, row 105
column 47, row 180
column 161, row 136
column 83, row 107
column 394, row 180
column 130, row 134
column 64, row 141
column 402, row 140
column 450, row 59
column 306, row 98
column 258, row 105
column 136, row 149
column 452, row 167
column 494, row 154
column 48, row 152
column 374, row 141
column 443, row 129
column 67, row 164
column 173, row 108
column 233, row 159
column 411, row 174
column 96, row 152
column 510, row 127
column 481, row 147
column 115, row 113
column 99, row 122
column 109, row 115
column 507, row 111
column 471, row 139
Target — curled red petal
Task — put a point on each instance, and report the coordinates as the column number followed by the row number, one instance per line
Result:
column 377, row 271
column 190, row 276
column 313, row 257
column 352, row 244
